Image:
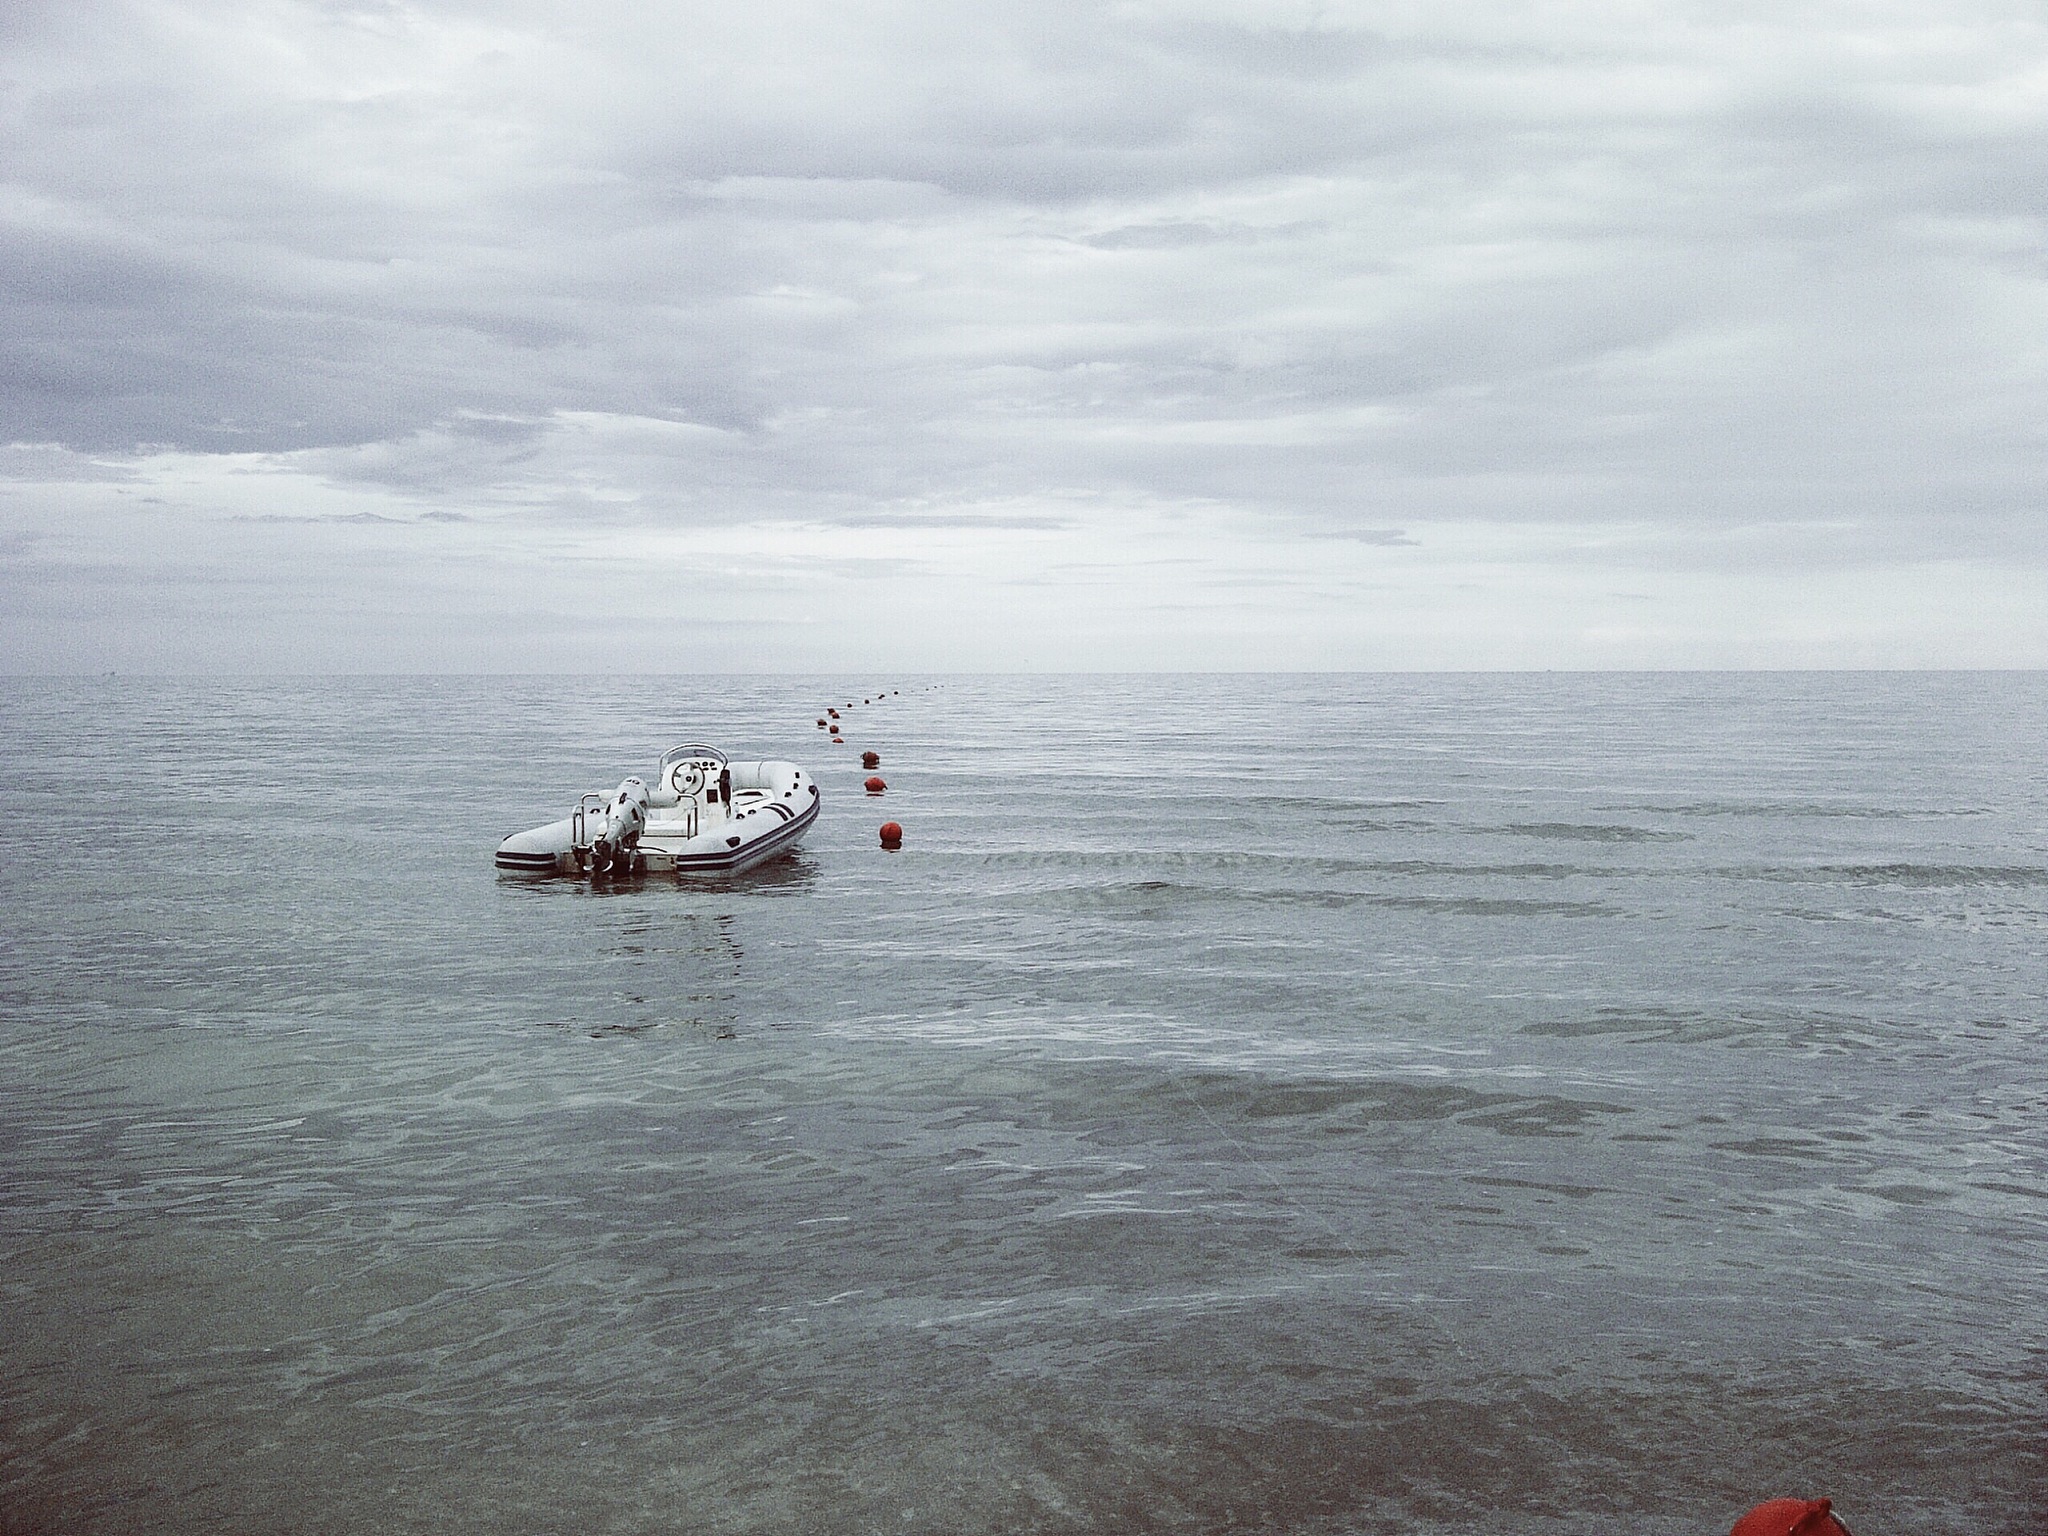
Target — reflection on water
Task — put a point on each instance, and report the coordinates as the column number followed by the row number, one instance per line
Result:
column 679, row 973
column 1503, row 1104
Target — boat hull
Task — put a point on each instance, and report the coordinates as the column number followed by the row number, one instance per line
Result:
column 736, row 851
column 763, row 813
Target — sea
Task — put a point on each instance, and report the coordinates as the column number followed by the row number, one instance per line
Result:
column 1527, row 1103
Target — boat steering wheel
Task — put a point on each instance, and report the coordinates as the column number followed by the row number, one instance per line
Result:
column 686, row 778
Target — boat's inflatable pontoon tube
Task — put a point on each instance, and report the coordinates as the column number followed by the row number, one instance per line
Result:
column 704, row 814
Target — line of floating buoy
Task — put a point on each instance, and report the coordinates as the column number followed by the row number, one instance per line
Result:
column 874, row 784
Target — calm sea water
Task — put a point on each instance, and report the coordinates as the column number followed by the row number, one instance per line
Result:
column 1317, row 1104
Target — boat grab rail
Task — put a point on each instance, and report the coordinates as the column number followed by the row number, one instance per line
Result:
column 689, row 751
column 579, row 838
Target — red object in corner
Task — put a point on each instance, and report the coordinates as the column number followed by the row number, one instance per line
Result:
column 1790, row 1517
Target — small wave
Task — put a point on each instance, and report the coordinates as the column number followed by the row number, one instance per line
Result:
column 1645, row 1027
column 1594, row 832
column 1678, row 1026
column 1494, row 906
column 1276, row 865
column 1778, row 1146
column 1805, row 809
column 1357, row 1105
column 1917, row 876
column 1570, row 1191
column 1157, row 897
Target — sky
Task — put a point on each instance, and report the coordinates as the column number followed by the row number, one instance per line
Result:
column 514, row 335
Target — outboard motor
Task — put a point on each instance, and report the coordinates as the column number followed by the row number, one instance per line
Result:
column 615, row 831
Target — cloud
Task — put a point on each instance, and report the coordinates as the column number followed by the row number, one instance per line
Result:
column 1386, row 538
column 1265, row 280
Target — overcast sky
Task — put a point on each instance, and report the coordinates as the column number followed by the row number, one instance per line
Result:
column 536, row 335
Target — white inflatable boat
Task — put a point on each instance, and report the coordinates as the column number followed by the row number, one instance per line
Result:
column 703, row 815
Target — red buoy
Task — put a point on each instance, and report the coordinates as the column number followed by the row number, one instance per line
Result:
column 1790, row 1517
column 821, row 725
column 871, row 759
column 833, row 713
column 875, row 786
column 892, row 837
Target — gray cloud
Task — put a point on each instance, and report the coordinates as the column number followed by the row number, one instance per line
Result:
column 1386, row 538
column 1347, row 273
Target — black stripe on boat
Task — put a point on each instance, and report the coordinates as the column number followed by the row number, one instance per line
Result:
column 784, row 835
column 516, row 860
